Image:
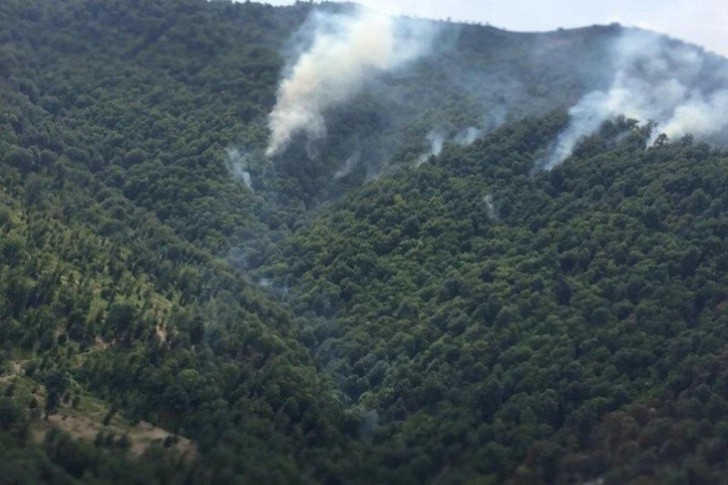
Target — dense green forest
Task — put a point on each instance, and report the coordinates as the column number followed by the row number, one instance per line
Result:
column 164, row 319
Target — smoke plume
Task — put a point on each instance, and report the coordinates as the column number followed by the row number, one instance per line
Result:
column 345, row 51
column 490, row 206
column 436, row 139
column 655, row 79
column 348, row 166
column 467, row 136
column 237, row 166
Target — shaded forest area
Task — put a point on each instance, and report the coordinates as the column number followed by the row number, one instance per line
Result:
column 466, row 319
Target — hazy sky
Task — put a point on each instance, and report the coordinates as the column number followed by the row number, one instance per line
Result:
column 704, row 22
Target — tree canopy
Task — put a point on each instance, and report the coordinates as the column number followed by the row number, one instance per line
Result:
column 164, row 319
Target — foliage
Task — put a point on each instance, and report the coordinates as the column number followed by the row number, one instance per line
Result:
column 467, row 319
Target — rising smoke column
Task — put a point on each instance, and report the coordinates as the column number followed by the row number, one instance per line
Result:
column 436, row 139
column 346, row 50
column 237, row 166
column 655, row 79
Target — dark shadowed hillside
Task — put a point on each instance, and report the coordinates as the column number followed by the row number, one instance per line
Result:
column 495, row 258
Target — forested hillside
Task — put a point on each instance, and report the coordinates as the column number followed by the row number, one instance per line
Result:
column 408, row 299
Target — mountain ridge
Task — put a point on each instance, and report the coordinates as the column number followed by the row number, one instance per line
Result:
column 441, row 310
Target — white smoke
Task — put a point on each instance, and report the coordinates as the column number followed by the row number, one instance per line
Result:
column 655, row 80
column 237, row 166
column 467, row 136
column 348, row 165
column 490, row 206
column 346, row 50
column 489, row 122
column 436, row 139
column 700, row 115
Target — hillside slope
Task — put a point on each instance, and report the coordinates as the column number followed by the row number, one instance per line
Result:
column 487, row 315
column 407, row 316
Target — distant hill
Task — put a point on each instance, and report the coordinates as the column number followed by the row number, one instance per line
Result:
column 501, row 259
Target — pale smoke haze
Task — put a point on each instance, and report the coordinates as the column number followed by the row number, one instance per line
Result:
column 702, row 21
column 237, row 166
column 345, row 52
column 467, row 136
column 700, row 115
column 490, row 206
column 348, row 166
column 643, row 76
column 436, row 139
column 655, row 80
